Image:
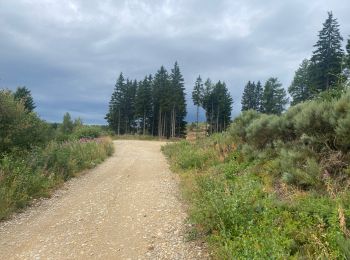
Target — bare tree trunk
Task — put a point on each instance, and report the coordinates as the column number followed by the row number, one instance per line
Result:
column 217, row 120
column 211, row 118
column 175, row 123
column 119, row 121
column 197, row 122
column 144, row 123
column 160, row 123
column 164, row 133
column 153, row 121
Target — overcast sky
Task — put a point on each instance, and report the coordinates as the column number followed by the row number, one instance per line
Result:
column 69, row 52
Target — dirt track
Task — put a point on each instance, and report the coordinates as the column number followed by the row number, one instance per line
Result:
column 126, row 208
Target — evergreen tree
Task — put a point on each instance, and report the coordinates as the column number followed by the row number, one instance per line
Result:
column 197, row 95
column 143, row 104
column 327, row 58
column 178, row 103
column 114, row 115
column 161, row 98
column 223, row 106
column 301, row 88
column 258, row 99
column 249, row 97
column 208, row 103
column 347, row 58
column 217, row 104
column 274, row 98
column 24, row 95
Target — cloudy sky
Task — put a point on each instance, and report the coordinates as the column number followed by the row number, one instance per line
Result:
column 69, row 52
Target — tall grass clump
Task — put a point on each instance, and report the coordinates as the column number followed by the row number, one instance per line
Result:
column 274, row 187
column 35, row 173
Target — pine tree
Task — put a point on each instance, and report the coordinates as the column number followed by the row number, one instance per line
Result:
column 161, row 92
column 114, row 115
column 251, row 98
column 301, row 88
column 223, row 106
column 217, row 103
column 327, row 58
column 178, row 104
column 197, row 95
column 24, row 95
column 347, row 58
column 248, row 98
column 208, row 103
column 274, row 97
column 258, row 99
column 143, row 104
column 126, row 106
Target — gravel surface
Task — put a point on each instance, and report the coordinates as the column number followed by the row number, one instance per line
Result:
column 126, row 208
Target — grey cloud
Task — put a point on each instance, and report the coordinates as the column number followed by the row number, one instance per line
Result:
column 70, row 52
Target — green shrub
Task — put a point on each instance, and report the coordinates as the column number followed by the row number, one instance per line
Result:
column 88, row 132
column 298, row 167
column 264, row 130
column 241, row 123
column 273, row 187
column 342, row 114
column 316, row 119
column 18, row 128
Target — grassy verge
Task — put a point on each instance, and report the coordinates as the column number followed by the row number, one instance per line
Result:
column 272, row 187
column 33, row 174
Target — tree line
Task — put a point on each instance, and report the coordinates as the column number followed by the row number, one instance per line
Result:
column 216, row 102
column 155, row 105
column 326, row 70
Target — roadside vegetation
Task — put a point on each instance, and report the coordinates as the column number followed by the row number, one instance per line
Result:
column 275, row 185
column 272, row 186
column 35, row 156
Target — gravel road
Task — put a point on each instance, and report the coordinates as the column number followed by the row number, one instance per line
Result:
column 126, row 208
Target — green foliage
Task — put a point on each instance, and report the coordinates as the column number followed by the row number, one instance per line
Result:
column 38, row 171
column 24, row 96
column 89, row 132
column 301, row 87
column 316, row 119
column 20, row 129
column 155, row 105
column 264, row 130
column 274, row 97
column 347, row 57
column 240, row 124
column 272, row 187
column 327, row 58
column 298, row 167
column 342, row 113
column 143, row 104
column 187, row 158
column 67, row 124
column 323, row 76
column 232, row 205
column 252, row 95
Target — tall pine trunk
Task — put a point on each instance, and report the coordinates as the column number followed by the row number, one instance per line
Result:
column 160, row 123
column 144, row 122
column 197, row 122
column 118, row 121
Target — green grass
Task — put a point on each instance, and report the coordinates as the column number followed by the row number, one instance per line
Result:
column 36, row 173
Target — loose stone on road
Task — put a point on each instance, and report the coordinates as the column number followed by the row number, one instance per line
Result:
column 126, row 208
